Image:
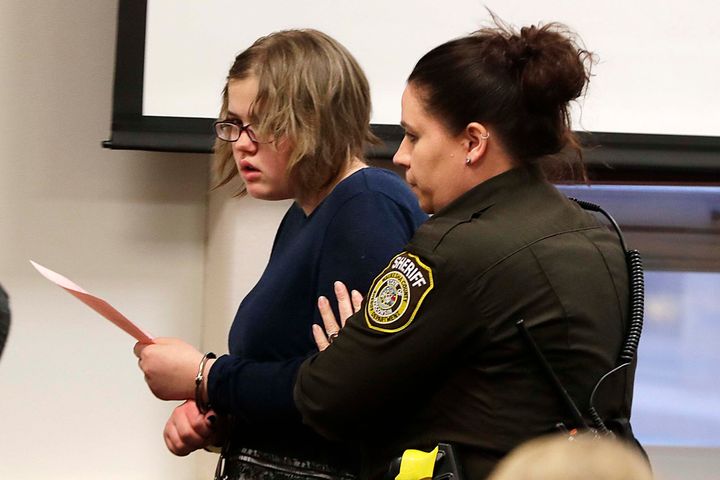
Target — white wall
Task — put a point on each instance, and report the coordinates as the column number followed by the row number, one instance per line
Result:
column 129, row 226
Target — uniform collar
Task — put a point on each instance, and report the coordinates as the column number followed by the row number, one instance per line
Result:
column 485, row 194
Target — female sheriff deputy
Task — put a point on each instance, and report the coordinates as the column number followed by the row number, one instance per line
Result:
column 435, row 355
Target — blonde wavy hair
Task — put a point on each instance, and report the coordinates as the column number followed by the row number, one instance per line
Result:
column 555, row 457
column 312, row 92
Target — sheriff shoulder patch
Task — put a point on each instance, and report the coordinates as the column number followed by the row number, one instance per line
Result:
column 397, row 293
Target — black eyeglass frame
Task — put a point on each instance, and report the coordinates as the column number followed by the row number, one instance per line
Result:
column 240, row 128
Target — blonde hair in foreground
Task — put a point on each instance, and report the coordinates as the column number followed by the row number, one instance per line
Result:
column 558, row 458
column 312, row 91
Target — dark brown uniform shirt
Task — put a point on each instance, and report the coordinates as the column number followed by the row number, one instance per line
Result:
column 434, row 355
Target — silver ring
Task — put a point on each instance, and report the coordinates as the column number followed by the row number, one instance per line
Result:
column 332, row 336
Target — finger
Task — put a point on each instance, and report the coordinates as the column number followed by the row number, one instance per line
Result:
column 201, row 425
column 138, row 348
column 320, row 339
column 212, row 420
column 190, row 438
column 328, row 317
column 343, row 301
column 167, row 438
column 176, row 445
column 357, row 299
column 172, row 439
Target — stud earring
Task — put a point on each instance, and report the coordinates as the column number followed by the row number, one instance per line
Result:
column 467, row 161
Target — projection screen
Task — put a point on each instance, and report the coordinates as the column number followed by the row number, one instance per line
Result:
column 652, row 104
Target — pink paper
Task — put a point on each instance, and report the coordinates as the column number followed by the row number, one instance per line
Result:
column 97, row 304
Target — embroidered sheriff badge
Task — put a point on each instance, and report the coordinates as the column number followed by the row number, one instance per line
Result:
column 397, row 293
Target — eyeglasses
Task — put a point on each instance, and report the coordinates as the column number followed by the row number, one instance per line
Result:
column 230, row 131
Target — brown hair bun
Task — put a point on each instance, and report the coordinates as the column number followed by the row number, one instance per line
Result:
column 519, row 83
column 553, row 69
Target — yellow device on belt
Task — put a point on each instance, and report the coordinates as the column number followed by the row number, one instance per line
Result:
column 417, row 465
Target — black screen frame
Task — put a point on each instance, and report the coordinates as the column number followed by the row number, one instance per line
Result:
column 610, row 157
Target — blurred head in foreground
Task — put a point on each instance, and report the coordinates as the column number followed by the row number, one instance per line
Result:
column 558, row 458
column 4, row 318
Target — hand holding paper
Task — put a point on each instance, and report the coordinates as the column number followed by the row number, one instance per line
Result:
column 170, row 366
column 96, row 303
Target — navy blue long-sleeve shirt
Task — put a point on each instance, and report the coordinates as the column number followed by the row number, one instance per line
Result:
column 350, row 236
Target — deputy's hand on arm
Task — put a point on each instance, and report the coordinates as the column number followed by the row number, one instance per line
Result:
column 170, row 366
column 348, row 304
column 188, row 430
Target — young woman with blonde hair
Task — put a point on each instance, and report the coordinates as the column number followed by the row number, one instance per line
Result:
column 294, row 123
